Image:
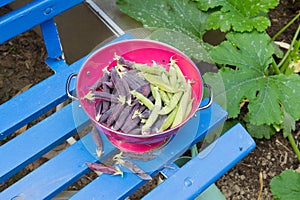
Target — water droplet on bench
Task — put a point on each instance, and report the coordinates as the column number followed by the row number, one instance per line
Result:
column 188, row 181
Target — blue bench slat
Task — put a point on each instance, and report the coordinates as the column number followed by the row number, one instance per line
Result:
column 58, row 173
column 44, row 135
column 31, row 15
column 53, row 176
column 124, row 187
column 5, row 2
column 38, row 99
column 207, row 167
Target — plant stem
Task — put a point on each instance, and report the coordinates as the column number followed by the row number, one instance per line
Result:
column 275, row 67
column 285, row 27
column 290, row 49
column 294, row 145
column 194, row 150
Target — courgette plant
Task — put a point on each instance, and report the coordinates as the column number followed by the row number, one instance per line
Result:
column 260, row 82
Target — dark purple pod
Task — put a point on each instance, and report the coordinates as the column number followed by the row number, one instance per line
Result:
column 99, row 83
column 136, row 170
column 105, row 96
column 98, row 141
column 106, row 114
column 108, row 85
column 99, row 167
column 145, row 114
column 130, row 123
column 126, row 63
column 114, row 75
column 123, row 116
column 115, row 114
column 133, row 85
column 98, row 110
column 135, row 131
column 157, row 124
column 144, row 89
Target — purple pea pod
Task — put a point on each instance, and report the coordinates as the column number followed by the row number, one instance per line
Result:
column 125, row 63
column 98, row 141
column 109, row 85
column 100, row 167
column 157, row 124
column 123, row 116
column 131, row 123
column 106, row 114
column 105, row 96
column 132, row 167
column 135, row 131
column 115, row 114
column 98, row 110
column 144, row 89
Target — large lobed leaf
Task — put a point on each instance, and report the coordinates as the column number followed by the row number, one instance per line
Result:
column 192, row 47
column 238, row 15
column 179, row 15
column 268, row 95
column 286, row 186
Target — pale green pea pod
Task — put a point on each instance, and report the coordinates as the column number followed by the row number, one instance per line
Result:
column 165, row 78
column 173, row 75
column 164, row 97
column 173, row 102
column 169, row 120
column 154, row 113
column 188, row 109
column 180, row 76
column 183, row 104
column 154, row 69
column 157, row 81
column 144, row 100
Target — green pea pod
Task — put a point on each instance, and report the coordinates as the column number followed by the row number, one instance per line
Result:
column 165, row 77
column 183, row 104
column 157, row 81
column 154, row 113
column 164, row 97
column 144, row 100
column 154, row 69
column 180, row 76
column 173, row 75
column 169, row 120
column 173, row 102
column 188, row 109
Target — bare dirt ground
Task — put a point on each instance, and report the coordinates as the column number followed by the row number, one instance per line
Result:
column 21, row 65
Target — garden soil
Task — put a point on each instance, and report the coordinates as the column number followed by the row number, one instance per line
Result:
column 22, row 65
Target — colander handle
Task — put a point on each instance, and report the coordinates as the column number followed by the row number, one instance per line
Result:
column 210, row 98
column 68, row 87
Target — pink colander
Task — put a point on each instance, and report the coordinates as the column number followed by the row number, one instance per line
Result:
column 139, row 51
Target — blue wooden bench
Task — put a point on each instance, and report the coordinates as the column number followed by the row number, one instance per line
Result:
column 68, row 166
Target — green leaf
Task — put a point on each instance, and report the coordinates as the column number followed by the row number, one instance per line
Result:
column 288, row 124
column 251, row 54
column 286, row 185
column 192, row 47
column 239, row 16
column 179, row 15
column 261, row 131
